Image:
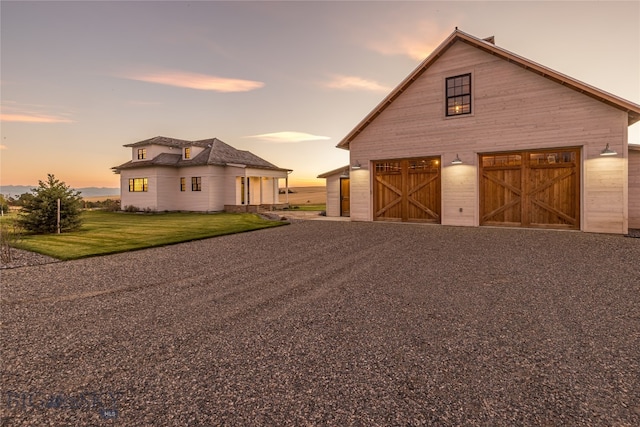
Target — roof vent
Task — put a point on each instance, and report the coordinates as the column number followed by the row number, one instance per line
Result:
column 490, row 39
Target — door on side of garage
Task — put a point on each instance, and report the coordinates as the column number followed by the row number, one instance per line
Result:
column 345, row 199
column 407, row 190
column 531, row 188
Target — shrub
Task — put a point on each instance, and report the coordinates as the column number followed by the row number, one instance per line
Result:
column 108, row 205
column 9, row 236
column 40, row 213
column 4, row 205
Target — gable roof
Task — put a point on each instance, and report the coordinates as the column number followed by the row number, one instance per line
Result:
column 215, row 152
column 487, row 45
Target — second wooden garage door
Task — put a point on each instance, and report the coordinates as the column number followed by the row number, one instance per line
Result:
column 407, row 190
column 531, row 189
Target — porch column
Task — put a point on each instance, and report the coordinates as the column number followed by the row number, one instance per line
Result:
column 276, row 191
column 246, row 188
column 286, row 180
column 261, row 199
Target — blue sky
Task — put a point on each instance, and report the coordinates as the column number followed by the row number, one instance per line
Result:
column 285, row 80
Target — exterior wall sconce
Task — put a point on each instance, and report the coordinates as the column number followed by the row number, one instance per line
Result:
column 356, row 165
column 608, row 151
column 456, row 161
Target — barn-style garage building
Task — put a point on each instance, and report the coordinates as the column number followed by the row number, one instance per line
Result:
column 478, row 135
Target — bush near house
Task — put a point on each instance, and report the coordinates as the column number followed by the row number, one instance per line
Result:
column 10, row 235
column 4, row 205
column 40, row 213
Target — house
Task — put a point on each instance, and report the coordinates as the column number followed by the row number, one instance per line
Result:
column 479, row 136
column 208, row 175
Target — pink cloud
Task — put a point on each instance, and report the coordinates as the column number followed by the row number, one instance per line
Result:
column 418, row 44
column 197, row 81
column 32, row 118
column 356, row 83
column 288, row 136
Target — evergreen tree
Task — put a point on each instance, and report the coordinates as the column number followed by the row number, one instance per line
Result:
column 40, row 213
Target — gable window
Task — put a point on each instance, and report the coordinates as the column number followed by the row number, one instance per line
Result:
column 138, row 184
column 183, row 184
column 196, row 183
column 187, row 153
column 142, row 153
column 459, row 95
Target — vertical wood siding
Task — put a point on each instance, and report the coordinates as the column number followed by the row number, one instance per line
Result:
column 333, row 194
column 512, row 109
column 634, row 188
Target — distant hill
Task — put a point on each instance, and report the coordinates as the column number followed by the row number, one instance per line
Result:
column 17, row 190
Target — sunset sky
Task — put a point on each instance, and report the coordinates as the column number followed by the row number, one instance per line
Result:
column 284, row 80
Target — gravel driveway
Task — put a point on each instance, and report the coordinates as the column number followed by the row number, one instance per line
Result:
column 330, row 324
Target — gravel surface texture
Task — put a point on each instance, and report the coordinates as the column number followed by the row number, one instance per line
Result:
column 330, row 324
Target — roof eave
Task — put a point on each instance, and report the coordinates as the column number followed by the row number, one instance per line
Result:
column 334, row 172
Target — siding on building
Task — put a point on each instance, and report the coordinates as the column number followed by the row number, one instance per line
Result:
column 333, row 188
column 513, row 109
column 634, row 187
column 219, row 166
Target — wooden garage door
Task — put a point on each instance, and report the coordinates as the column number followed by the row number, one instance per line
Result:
column 407, row 190
column 531, row 189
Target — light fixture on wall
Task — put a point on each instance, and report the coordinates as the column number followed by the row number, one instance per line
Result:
column 356, row 165
column 608, row 151
column 456, row 161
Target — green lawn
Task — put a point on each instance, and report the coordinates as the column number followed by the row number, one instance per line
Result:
column 318, row 207
column 110, row 232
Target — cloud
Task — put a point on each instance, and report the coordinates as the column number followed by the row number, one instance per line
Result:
column 418, row 46
column 356, row 83
column 32, row 118
column 286, row 137
column 415, row 49
column 13, row 111
column 196, row 81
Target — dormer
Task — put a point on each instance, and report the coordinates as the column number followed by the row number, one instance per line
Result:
column 191, row 151
column 140, row 153
column 146, row 152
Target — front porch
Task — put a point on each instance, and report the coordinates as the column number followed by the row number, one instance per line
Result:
column 269, row 207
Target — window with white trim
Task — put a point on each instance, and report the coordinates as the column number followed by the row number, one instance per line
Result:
column 196, row 183
column 138, row 184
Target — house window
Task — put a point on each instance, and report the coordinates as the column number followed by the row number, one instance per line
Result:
column 459, row 95
column 187, row 153
column 196, row 183
column 142, row 153
column 183, row 184
column 138, row 184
